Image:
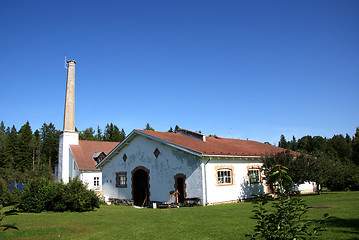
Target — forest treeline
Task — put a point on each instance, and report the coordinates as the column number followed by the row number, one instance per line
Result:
column 344, row 149
column 26, row 150
column 333, row 162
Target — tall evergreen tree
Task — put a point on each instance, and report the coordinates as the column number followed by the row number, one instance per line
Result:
column 108, row 133
column 2, row 142
column 113, row 134
column 88, row 134
column 294, row 144
column 50, row 143
column 117, row 136
column 123, row 134
column 11, row 147
column 282, row 142
column 99, row 133
column 2, row 127
column 24, row 154
column 355, row 148
column 36, row 156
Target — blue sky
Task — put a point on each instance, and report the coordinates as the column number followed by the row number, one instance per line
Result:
column 239, row 69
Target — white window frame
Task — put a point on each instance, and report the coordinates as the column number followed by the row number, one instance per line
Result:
column 96, row 181
column 254, row 175
column 224, row 176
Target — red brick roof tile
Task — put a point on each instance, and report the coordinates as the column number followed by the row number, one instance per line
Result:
column 84, row 151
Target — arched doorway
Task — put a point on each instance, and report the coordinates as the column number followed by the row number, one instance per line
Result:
column 140, row 186
column 180, row 185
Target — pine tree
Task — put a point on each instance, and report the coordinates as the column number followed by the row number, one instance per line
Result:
column 171, row 130
column 108, row 134
column 116, row 136
column 113, row 134
column 11, row 147
column 355, row 148
column 294, row 144
column 50, row 143
column 123, row 134
column 99, row 133
column 2, row 142
column 2, row 127
column 282, row 143
column 23, row 159
column 88, row 134
column 36, row 156
column 148, row 127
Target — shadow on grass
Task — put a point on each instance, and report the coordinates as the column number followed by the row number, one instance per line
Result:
column 347, row 226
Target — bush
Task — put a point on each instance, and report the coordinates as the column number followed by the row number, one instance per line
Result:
column 42, row 194
column 284, row 219
column 36, row 196
column 77, row 198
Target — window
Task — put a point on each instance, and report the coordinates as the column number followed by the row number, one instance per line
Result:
column 254, row 175
column 224, row 176
column 96, row 181
column 121, row 179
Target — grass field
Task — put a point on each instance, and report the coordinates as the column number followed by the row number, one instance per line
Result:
column 226, row 221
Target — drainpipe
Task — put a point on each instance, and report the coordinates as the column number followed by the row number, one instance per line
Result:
column 205, row 202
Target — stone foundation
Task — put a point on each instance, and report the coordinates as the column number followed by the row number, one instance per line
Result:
column 121, row 202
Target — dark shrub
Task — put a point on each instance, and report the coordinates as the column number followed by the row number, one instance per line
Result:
column 43, row 194
column 36, row 195
column 77, row 198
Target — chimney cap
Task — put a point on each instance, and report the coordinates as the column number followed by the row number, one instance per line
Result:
column 71, row 61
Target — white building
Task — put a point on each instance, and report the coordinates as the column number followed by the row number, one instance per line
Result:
column 149, row 165
column 78, row 158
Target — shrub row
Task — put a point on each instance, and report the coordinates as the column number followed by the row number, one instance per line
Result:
column 42, row 194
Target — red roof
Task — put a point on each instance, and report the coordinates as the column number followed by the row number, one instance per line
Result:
column 218, row 146
column 84, row 151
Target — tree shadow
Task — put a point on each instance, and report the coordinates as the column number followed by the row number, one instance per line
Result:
column 348, row 226
column 248, row 190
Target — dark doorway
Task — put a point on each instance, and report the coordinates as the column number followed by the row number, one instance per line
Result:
column 180, row 185
column 140, row 186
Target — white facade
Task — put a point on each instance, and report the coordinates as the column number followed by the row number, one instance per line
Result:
column 90, row 178
column 170, row 161
column 306, row 187
column 66, row 139
column 240, row 187
column 67, row 167
column 201, row 172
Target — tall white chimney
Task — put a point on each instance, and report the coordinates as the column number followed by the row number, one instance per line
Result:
column 69, row 116
column 68, row 136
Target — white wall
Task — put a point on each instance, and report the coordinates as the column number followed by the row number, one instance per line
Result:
column 73, row 168
column 66, row 139
column 162, row 170
column 87, row 177
column 240, row 189
column 306, row 187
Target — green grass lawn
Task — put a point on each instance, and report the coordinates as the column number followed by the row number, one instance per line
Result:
column 226, row 221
